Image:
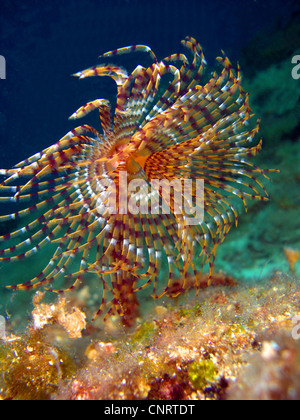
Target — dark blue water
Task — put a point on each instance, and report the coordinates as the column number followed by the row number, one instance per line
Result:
column 43, row 42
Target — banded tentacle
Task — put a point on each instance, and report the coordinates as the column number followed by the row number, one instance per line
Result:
column 168, row 126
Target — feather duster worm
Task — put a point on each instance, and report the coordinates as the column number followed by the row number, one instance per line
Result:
column 96, row 200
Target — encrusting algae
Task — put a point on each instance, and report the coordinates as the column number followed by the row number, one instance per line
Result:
column 129, row 205
column 230, row 342
column 31, row 368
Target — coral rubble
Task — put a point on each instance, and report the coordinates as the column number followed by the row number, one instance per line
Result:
column 232, row 341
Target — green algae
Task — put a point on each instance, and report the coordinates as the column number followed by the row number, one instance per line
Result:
column 32, row 369
column 202, row 372
column 144, row 332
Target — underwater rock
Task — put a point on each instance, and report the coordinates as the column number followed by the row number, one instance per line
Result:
column 231, row 342
column 30, row 368
column 73, row 320
column 274, row 374
column 275, row 96
column 198, row 349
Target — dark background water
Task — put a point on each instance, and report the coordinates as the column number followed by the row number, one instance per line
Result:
column 43, row 42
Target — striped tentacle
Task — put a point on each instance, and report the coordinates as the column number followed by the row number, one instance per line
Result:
column 193, row 75
column 117, row 73
column 167, row 126
column 170, row 94
column 129, row 50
